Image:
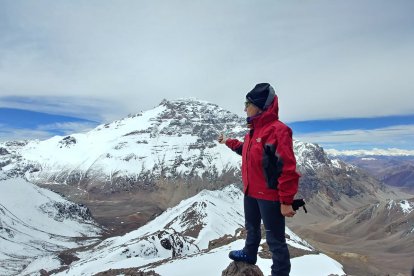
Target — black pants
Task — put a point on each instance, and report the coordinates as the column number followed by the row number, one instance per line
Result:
column 256, row 210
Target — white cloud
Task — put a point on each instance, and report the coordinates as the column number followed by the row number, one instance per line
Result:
column 327, row 60
column 67, row 127
column 43, row 132
column 395, row 136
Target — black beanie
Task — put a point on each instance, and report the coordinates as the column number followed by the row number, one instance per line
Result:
column 261, row 95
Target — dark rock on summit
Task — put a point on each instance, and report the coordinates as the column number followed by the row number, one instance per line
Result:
column 242, row 269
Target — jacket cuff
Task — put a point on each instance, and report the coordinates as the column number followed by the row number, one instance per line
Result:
column 229, row 142
column 288, row 200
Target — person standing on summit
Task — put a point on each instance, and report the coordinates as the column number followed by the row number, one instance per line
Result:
column 270, row 180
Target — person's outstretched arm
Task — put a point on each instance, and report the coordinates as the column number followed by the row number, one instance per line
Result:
column 233, row 144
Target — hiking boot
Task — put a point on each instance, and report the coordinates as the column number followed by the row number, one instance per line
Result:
column 241, row 256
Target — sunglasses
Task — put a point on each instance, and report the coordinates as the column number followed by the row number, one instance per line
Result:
column 247, row 103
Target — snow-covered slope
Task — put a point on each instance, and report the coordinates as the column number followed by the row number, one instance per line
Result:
column 181, row 230
column 36, row 222
column 180, row 238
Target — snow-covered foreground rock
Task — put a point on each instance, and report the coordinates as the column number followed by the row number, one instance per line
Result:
column 36, row 222
column 177, row 243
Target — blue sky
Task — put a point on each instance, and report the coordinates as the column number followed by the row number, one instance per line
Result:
column 28, row 119
column 25, row 124
column 331, row 62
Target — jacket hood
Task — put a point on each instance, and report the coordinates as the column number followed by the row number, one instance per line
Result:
column 269, row 115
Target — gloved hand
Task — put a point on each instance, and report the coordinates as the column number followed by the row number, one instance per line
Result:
column 297, row 203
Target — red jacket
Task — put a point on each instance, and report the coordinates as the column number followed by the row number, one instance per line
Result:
column 268, row 161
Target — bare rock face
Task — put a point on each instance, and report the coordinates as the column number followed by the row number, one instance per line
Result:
column 242, row 269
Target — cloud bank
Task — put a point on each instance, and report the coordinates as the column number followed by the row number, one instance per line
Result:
column 326, row 59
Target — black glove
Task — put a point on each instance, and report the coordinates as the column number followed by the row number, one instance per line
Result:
column 297, row 203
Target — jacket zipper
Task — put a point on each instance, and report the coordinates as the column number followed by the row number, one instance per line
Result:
column 247, row 158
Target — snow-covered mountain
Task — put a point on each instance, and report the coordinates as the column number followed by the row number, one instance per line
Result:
column 36, row 222
column 175, row 141
column 179, row 242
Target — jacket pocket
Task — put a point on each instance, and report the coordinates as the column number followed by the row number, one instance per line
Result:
column 272, row 166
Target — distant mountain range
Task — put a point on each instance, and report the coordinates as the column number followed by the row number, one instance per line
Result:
column 395, row 169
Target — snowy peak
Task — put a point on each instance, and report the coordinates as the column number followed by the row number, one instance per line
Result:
column 333, row 180
column 166, row 140
column 311, row 157
column 197, row 118
column 178, row 117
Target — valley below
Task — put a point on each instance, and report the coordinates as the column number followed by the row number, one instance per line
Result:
column 356, row 254
column 364, row 244
column 361, row 251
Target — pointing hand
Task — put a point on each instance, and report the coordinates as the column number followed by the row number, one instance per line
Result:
column 221, row 138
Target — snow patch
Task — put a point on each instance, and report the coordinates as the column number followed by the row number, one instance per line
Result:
column 406, row 206
column 336, row 163
column 368, row 158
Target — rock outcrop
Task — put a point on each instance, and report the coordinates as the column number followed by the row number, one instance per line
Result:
column 242, row 269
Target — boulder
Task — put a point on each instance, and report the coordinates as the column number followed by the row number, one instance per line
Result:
column 242, row 269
